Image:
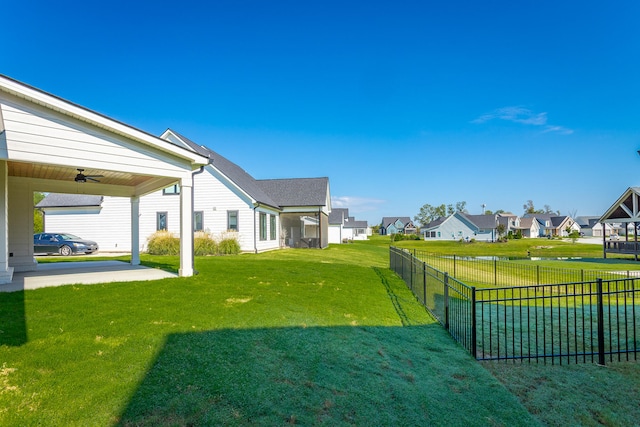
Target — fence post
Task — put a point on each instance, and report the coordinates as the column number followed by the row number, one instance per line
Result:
column 424, row 283
column 474, row 350
column 454, row 266
column 495, row 272
column 412, row 265
column 446, row 301
column 600, row 323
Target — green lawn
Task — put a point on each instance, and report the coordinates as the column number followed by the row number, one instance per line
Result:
column 286, row 337
column 295, row 336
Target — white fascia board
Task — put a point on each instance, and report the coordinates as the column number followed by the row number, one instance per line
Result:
column 303, row 209
column 96, row 119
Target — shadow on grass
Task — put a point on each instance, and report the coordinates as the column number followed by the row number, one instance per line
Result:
column 166, row 266
column 335, row 375
column 13, row 323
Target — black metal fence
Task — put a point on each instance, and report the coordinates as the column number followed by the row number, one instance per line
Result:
column 496, row 271
column 588, row 321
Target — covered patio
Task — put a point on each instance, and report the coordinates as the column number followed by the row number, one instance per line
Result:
column 624, row 215
column 48, row 144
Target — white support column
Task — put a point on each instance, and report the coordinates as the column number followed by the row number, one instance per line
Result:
column 135, row 230
column 6, row 272
column 186, row 227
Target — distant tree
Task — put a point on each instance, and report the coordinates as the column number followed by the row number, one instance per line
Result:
column 429, row 213
column 548, row 210
column 38, row 215
column 574, row 235
column 499, row 211
column 529, row 208
column 501, row 229
column 488, row 212
column 375, row 229
column 573, row 213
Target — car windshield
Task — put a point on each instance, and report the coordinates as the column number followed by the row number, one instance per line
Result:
column 67, row 237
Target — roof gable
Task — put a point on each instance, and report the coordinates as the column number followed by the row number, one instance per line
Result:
column 626, row 208
column 230, row 170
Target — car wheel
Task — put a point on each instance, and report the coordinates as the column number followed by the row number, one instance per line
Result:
column 65, row 250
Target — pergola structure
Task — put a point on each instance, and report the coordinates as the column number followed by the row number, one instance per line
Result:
column 626, row 212
column 45, row 140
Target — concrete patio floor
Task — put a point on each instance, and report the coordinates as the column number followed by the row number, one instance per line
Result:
column 86, row 273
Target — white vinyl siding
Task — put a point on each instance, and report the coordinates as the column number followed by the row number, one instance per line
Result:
column 36, row 134
column 111, row 228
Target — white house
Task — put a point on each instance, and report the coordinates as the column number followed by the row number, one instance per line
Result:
column 462, row 226
column 555, row 225
column 263, row 214
column 397, row 225
column 48, row 144
column 343, row 227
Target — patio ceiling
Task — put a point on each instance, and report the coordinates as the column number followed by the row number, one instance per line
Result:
column 55, row 178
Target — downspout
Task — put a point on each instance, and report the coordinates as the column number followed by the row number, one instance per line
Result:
column 255, row 241
column 320, row 227
column 193, row 203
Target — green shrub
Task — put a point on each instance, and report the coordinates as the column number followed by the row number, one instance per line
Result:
column 397, row 237
column 229, row 246
column 204, row 244
column 163, row 243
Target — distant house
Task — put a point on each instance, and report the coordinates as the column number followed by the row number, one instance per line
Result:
column 453, row 227
column 592, row 227
column 487, row 226
column 555, row 225
column 462, row 226
column 343, row 227
column 529, row 227
column 397, row 225
column 263, row 214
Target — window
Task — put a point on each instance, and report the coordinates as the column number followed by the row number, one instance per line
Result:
column 232, row 220
column 161, row 221
column 198, row 221
column 263, row 226
column 173, row 190
column 272, row 230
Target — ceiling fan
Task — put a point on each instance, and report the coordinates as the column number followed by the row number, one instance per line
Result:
column 80, row 177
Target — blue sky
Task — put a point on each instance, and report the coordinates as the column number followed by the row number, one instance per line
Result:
column 398, row 103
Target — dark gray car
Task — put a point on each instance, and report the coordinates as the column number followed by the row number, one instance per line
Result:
column 62, row 243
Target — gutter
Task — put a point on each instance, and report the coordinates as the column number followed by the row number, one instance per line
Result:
column 255, row 241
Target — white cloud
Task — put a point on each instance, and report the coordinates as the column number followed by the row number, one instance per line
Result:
column 523, row 116
column 558, row 129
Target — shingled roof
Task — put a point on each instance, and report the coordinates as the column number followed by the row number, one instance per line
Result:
column 57, row 200
column 232, row 171
column 297, row 191
column 338, row 215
